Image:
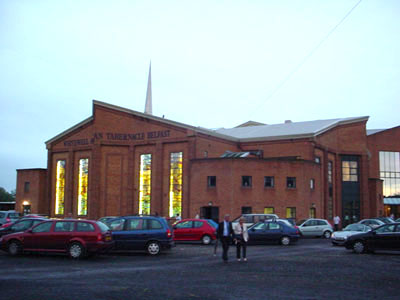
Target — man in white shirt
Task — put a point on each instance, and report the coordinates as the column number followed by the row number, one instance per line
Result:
column 336, row 222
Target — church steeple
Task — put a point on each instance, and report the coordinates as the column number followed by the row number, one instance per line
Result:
column 148, row 109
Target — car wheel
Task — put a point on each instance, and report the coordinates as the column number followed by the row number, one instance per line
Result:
column 153, row 248
column 285, row 240
column 14, row 248
column 206, row 239
column 327, row 234
column 76, row 250
column 358, row 247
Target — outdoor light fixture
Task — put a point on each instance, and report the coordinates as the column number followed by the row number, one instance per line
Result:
column 25, row 202
column 210, row 203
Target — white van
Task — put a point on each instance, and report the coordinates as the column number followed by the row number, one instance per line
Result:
column 251, row 219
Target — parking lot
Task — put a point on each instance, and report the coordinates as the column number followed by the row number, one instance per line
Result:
column 312, row 269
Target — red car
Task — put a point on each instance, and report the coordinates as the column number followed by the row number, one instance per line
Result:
column 78, row 238
column 203, row 230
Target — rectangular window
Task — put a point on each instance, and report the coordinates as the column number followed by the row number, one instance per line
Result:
column 26, row 186
column 60, row 187
column 83, row 181
column 246, row 181
column 175, row 184
column 291, row 212
column 212, row 181
column 269, row 210
column 269, row 181
column 145, row 184
column 389, row 165
column 349, row 171
column 291, row 182
column 312, row 183
column 246, row 210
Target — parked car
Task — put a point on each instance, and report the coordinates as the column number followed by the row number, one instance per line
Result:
column 273, row 232
column 385, row 237
column 373, row 223
column 20, row 225
column 385, row 220
column 149, row 233
column 315, row 227
column 251, row 219
column 397, row 220
column 195, row 230
column 8, row 216
column 340, row 237
column 77, row 238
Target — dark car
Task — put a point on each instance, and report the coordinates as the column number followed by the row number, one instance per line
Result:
column 21, row 225
column 273, row 232
column 385, row 237
column 195, row 230
column 149, row 233
column 107, row 220
column 385, row 220
column 78, row 238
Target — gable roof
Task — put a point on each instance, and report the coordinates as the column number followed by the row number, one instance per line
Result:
column 287, row 130
column 256, row 132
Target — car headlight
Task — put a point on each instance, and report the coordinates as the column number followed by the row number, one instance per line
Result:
column 333, row 235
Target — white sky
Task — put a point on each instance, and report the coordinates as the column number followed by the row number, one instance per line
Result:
column 214, row 64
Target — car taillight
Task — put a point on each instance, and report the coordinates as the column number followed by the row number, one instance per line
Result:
column 99, row 237
column 169, row 233
column 8, row 219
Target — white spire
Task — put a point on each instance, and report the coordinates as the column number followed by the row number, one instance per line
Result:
column 148, row 108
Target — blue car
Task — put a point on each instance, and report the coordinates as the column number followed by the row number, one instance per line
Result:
column 273, row 232
column 149, row 233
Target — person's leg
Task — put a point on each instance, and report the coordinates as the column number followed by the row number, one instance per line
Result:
column 238, row 250
column 225, row 249
column 244, row 250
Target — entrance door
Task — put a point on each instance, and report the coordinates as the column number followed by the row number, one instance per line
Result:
column 209, row 212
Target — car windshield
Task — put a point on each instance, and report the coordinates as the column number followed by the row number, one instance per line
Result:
column 212, row 223
column 354, row 227
column 14, row 216
column 300, row 222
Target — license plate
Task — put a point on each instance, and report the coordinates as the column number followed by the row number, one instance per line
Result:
column 108, row 238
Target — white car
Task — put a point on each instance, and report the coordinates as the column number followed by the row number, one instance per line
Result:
column 340, row 237
column 251, row 219
column 373, row 223
column 315, row 227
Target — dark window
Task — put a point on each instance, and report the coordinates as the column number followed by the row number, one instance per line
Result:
column 153, row 224
column 134, row 224
column 212, row 181
column 198, row 224
column 291, row 182
column 246, row 209
column 185, row 224
column 117, row 224
column 246, row 181
column 321, row 223
column 26, row 186
column 45, row 227
column 84, row 227
column 64, row 226
column 269, row 181
column 274, row 226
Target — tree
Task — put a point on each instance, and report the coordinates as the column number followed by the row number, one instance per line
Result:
column 6, row 196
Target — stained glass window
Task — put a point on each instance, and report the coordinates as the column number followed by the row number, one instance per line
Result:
column 175, row 184
column 60, row 187
column 145, row 184
column 83, row 186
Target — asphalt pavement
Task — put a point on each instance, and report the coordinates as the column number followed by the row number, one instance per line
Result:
column 311, row 269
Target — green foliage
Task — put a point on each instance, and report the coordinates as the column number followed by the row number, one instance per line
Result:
column 6, row 196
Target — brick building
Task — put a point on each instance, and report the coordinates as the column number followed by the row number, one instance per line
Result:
column 121, row 162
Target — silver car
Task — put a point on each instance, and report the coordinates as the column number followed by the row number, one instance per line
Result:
column 315, row 227
column 8, row 216
column 340, row 237
column 373, row 223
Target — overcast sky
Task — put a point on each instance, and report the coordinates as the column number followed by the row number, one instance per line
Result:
column 214, row 64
